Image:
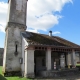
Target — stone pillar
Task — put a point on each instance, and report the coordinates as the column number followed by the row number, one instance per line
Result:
column 68, row 57
column 25, row 63
column 29, row 63
column 62, row 61
column 48, row 59
column 79, row 56
column 73, row 58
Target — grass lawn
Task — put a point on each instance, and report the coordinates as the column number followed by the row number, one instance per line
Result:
column 10, row 78
column 77, row 64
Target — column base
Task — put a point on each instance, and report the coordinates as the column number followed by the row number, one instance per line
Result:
column 31, row 75
column 12, row 73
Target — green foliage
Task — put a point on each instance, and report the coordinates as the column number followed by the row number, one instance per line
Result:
column 10, row 78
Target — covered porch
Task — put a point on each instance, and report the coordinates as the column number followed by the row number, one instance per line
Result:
column 40, row 59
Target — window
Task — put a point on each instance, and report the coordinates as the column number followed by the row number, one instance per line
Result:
column 16, row 48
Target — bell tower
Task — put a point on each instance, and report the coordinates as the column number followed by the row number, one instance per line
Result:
column 16, row 23
column 17, row 11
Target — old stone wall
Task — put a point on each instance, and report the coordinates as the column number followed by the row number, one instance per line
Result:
column 13, row 56
column 17, row 11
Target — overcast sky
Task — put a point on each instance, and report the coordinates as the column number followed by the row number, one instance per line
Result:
column 60, row 16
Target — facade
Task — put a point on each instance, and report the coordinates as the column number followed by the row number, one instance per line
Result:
column 47, row 53
column 31, row 53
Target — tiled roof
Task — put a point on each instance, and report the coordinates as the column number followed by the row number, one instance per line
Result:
column 42, row 39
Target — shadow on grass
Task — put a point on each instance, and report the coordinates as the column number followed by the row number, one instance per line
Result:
column 2, row 77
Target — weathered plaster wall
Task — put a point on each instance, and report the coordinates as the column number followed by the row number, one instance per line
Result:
column 29, row 63
column 24, row 44
column 12, row 60
column 5, row 51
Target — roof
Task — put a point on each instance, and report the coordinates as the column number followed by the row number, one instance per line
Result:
column 42, row 39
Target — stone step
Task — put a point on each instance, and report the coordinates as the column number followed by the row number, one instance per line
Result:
column 59, row 73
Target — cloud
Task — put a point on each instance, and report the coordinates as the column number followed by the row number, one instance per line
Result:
column 40, row 13
column 3, row 7
column 2, row 29
column 43, row 23
column 3, row 15
column 32, row 30
column 56, row 32
column 39, row 7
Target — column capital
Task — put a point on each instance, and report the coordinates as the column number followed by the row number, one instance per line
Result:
column 30, row 48
column 73, row 50
column 48, row 48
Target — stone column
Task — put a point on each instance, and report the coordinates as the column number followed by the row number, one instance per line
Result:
column 62, row 60
column 25, row 63
column 29, row 63
column 73, row 58
column 48, row 59
column 68, row 57
column 79, row 56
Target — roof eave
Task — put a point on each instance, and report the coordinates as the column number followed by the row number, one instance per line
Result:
column 54, row 46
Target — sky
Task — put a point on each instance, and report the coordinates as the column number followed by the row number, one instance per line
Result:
column 60, row 16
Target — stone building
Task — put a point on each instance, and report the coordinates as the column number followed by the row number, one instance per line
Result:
column 42, row 52
column 31, row 53
column 1, row 56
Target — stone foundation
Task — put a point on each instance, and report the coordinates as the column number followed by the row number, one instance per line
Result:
column 59, row 73
column 30, row 75
column 12, row 73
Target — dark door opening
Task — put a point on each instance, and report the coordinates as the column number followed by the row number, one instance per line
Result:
column 39, row 61
column 35, row 66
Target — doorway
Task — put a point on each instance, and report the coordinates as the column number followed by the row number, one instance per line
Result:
column 39, row 61
column 55, row 59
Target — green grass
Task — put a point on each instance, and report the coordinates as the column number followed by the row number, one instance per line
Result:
column 10, row 78
column 77, row 64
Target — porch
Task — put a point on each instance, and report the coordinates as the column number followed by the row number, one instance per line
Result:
column 51, row 62
column 41, row 60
